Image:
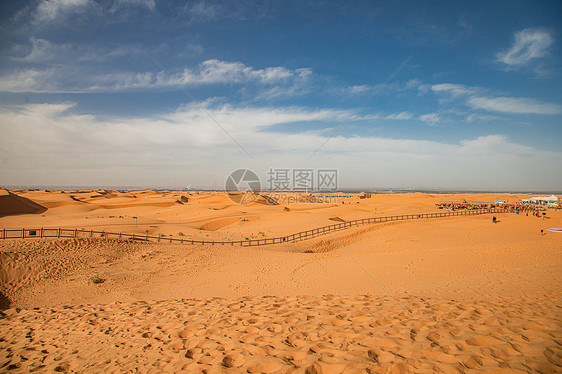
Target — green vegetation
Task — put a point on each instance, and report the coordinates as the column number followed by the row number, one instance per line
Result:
column 256, row 236
column 96, row 279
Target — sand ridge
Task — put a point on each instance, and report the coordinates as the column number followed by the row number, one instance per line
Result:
column 13, row 204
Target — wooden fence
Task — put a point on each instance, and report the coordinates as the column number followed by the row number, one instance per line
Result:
column 303, row 235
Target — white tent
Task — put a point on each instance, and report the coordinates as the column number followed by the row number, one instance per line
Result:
column 542, row 199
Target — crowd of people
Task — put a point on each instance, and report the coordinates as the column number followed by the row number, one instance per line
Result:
column 513, row 207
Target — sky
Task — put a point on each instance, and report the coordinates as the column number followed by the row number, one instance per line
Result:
column 401, row 94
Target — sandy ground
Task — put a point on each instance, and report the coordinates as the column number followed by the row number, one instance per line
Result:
column 449, row 295
column 212, row 215
column 329, row 334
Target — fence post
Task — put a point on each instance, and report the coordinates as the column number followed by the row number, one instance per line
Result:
column 41, row 231
column 58, row 234
column 75, row 233
column 4, row 234
column 23, row 233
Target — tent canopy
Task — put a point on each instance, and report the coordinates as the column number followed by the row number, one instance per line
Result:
column 548, row 199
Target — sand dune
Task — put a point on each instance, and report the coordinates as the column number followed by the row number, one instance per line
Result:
column 459, row 294
column 110, row 209
column 77, row 199
column 12, row 204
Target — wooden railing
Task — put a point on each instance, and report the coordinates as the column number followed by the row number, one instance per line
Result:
column 303, row 235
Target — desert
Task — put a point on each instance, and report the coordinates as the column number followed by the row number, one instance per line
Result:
column 309, row 187
column 452, row 294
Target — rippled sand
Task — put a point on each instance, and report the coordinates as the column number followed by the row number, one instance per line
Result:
column 328, row 334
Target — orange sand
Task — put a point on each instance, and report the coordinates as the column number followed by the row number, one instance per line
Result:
column 449, row 295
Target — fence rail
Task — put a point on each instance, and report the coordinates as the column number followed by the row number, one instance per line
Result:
column 303, row 235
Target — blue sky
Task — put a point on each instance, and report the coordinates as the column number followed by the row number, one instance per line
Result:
column 392, row 94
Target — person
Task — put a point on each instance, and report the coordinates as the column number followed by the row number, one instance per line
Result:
column 494, row 219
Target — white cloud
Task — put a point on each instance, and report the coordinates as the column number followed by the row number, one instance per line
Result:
column 513, row 105
column 431, row 119
column 502, row 104
column 480, row 117
column 529, row 44
column 207, row 73
column 359, row 89
column 413, row 83
column 51, row 10
column 454, row 89
column 61, row 55
column 379, row 89
column 216, row 71
column 238, row 119
column 187, row 147
column 30, row 80
column 400, row 116
column 42, row 50
column 203, row 9
column 149, row 4
column 45, row 110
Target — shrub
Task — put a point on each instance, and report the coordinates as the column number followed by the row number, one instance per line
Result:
column 96, row 279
